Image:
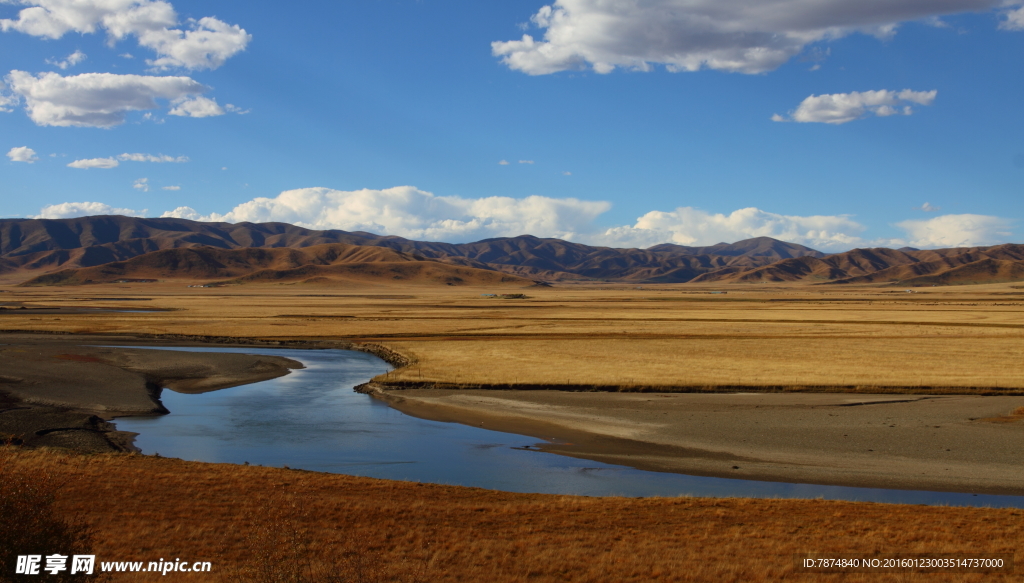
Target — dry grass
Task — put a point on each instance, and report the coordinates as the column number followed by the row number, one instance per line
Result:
column 671, row 336
column 145, row 508
column 30, row 524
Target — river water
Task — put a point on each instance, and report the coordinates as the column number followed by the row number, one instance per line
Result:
column 312, row 419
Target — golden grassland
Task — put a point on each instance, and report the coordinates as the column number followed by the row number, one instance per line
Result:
column 144, row 508
column 958, row 337
column 968, row 338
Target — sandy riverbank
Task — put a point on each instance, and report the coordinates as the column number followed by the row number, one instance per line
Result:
column 943, row 442
column 61, row 390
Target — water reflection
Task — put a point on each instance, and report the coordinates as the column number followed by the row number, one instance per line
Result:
column 312, row 419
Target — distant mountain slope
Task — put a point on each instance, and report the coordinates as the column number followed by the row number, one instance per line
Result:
column 322, row 263
column 756, row 247
column 31, row 247
column 47, row 245
column 906, row 267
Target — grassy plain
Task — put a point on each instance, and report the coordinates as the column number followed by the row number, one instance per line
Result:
column 967, row 339
column 959, row 338
column 145, row 509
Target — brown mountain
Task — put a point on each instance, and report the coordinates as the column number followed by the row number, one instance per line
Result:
column 316, row 264
column 32, row 247
column 756, row 247
column 41, row 245
column 906, row 267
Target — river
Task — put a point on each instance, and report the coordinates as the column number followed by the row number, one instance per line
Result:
column 312, row 419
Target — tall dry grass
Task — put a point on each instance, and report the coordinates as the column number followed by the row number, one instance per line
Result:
column 143, row 508
column 29, row 522
column 281, row 548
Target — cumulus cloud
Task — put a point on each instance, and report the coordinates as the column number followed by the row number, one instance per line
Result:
column 929, row 208
column 141, row 184
column 196, row 107
column 204, row 44
column 72, row 60
column 957, row 231
column 207, row 45
column 94, row 163
column 22, row 154
column 688, row 35
column 503, row 162
column 690, row 226
column 840, row 108
column 69, row 210
column 96, row 99
column 413, row 213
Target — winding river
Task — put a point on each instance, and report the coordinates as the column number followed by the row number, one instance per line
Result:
column 312, row 419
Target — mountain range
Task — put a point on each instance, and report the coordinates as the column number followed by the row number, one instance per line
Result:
column 109, row 248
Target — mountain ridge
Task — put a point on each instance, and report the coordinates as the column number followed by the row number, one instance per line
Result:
column 31, row 248
column 335, row 262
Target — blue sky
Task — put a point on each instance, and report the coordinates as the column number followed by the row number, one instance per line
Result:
column 830, row 123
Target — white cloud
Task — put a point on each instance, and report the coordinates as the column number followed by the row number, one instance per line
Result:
column 957, row 231
column 72, row 60
column 929, row 208
column 69, row 210
column 22, row 154
column 1014, row 20
column 151, row 158
column 95, row 99
column 113, row 162
column 690, row 226
column 196, row 107
column 7, row 100
column 503, row 163
column 206, row 44
column 688, row 35
column 413, row 213
column 526, row 161
column 170, row 188
column 94, row 163
column 141, row 184
column 839, row 108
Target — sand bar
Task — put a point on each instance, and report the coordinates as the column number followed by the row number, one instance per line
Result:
column 62, row 390
column 943, row 443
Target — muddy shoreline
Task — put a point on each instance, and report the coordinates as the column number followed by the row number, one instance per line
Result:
column 60, row 390
column 870, row 441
